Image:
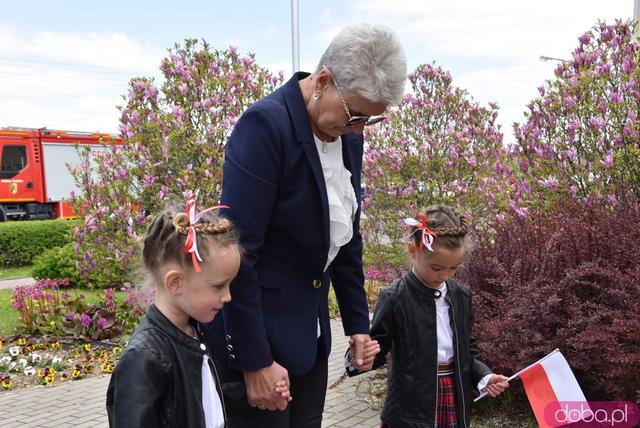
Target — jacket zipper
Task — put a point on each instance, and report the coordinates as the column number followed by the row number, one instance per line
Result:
column 455, row 332
column 435, row 410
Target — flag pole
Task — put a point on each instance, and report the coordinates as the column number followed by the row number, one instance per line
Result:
column 521, row 371
column 295, row 37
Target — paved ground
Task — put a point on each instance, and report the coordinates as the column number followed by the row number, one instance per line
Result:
column 10, row 283
column 81, row 403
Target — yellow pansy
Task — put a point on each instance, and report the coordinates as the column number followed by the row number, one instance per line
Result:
column 107, row 368
column 6, row 383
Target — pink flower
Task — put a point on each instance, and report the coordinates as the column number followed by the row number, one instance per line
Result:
column 608, row 159
column 597, row 122
column 585, row 38
column 572, row 154
column 85, row 320
column 90, row 223
column 102, row 323
column 550, row 182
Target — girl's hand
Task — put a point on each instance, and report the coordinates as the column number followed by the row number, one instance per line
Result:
column 260, row 385
column 370, row 349
column 497, row 384
column 283, row 389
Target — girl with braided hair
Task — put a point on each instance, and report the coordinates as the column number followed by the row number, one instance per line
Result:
column 425, row 319
column 166, row 376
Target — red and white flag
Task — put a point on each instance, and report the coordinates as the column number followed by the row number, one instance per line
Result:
column 549, row 383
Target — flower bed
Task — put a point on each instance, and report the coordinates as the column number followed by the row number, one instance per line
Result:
column 61, row 337
column 48, row 307
column 49, row 361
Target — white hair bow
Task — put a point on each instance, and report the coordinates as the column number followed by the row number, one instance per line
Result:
column 428, row 235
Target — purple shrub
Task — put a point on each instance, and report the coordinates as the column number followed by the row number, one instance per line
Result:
column 570, row 279
column 173, row 143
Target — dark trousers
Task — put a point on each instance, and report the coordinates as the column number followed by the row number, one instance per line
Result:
column 304, row 411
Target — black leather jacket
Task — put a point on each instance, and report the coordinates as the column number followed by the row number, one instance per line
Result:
column 158, row 380
column 405, row 323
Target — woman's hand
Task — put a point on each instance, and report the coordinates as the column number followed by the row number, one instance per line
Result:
column 265, row 388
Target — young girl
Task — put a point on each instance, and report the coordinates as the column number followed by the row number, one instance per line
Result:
column 166, row 377
column 425, row 318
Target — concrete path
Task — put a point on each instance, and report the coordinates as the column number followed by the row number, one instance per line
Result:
column 11, row 283
column 81, row 403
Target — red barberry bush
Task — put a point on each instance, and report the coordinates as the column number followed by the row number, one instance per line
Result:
column 567, row 279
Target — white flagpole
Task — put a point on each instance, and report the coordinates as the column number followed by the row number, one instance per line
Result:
column 521, row 371
column 636, row 10
column 295, row 37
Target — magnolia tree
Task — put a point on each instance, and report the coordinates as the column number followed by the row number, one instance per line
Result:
column 581, row 138
column 439, row 146
column 173, row 146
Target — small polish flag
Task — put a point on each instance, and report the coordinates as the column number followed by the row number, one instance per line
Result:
column 549, row 383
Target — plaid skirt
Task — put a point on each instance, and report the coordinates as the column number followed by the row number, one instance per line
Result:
column 446, row 415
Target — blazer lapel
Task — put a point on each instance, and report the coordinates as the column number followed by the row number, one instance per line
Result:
column 300, row 118
column 314, row 162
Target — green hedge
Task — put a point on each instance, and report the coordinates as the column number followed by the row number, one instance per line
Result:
column 22, row 241
column 58, row 263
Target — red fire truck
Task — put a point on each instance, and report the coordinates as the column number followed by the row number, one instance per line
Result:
column 34, row 178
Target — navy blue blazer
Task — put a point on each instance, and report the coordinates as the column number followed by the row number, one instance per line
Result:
column 274, row 185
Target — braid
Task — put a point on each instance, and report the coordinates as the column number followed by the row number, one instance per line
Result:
column 156, row 240
column 165, row 238
column 460, row 230
column 221, row 226
column 181, row 223
column 451, row 228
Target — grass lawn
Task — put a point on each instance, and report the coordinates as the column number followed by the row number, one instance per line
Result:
column 9, row 316
column 15, row 272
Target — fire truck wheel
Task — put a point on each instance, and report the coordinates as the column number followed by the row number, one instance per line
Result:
column 3, row 214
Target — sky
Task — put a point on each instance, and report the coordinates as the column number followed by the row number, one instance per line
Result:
column 65, row 64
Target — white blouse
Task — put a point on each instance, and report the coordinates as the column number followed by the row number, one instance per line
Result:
column 340, row 194
column 211, row 404
column 443, row 327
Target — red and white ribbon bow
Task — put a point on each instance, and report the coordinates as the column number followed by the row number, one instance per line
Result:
column 191, row 246
column 427, row 234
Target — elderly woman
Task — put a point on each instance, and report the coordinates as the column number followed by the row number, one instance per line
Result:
column 292, row 181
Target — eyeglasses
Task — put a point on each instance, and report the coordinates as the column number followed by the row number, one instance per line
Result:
column 358, row 119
